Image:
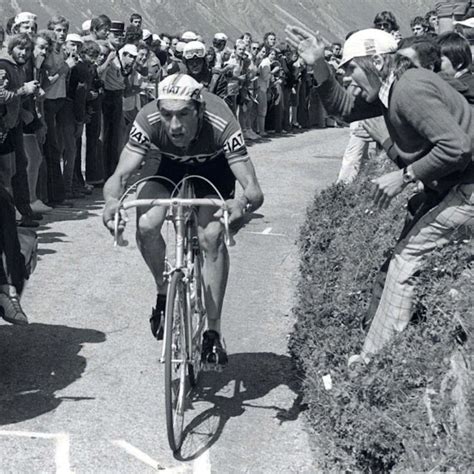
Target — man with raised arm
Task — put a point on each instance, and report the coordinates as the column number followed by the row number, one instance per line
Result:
column 431, row 128
column 195, row 133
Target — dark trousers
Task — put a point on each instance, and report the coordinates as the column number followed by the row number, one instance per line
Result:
column 112, row 113
column 21, row 192
column 52, row 149
column 94, row 157
column 12, row 263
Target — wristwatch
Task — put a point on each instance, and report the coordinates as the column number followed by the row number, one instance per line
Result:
column 408, row 176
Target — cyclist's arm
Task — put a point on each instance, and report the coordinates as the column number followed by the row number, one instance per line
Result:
column 244, row 172
column 130, row 160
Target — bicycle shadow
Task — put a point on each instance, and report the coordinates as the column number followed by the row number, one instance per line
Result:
column 36, row 361
column 251, row 376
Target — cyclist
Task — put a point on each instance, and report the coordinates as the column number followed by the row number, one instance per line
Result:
column 195, row 133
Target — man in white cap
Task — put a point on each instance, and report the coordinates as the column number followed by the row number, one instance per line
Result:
column 25, row 22
column 222, row 52
column 431, row 128
column 188, row 36
column 195, row 133
column 86, row 27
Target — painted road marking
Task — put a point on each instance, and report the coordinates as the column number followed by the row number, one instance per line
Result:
column 145, row 459
column 202, row 464
column 62, row 446
column 266, row 231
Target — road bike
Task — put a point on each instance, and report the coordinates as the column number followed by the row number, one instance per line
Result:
column 185, row 314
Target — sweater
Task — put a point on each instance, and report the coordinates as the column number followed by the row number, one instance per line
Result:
column 430, row 123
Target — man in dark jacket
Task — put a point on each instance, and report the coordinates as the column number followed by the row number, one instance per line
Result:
column 431, row 127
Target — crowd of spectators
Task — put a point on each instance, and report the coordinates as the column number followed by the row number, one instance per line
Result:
column 68, row 100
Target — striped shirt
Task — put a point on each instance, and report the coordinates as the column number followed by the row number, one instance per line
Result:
column 219, row 136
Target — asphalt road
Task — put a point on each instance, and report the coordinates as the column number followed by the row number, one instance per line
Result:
column 81, row 389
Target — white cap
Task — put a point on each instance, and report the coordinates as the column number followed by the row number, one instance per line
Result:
column 24, row 17
column 131, row 49
column 75, row 38
column 468, row 22
column 86, row 26
column 194, row 49
column 221, row 37
column 156, row 37
column 146, row 34
column 368, row 43
column 180, row 87
column 180, row 46
column 189, row 36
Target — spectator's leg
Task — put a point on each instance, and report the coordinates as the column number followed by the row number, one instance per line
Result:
column 433, row 230
column 356, row 151
column 94, row 162
column 67, row 123
column 21, row 193
column 52, row 151
column 35, row 158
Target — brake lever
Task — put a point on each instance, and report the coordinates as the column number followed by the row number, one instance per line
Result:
column 119, row 241
column 229, row 240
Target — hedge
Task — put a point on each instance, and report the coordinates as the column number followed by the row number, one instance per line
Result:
column 407, row 410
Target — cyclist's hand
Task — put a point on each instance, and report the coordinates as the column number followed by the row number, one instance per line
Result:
column 108, row 217
column 236, row 211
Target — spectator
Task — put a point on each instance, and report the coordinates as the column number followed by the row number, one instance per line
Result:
column 418, row 26
column 269, row 40
column 456, row 62
column 100, row 28
column 386, row 21
column 57, row 70
column 431, row 19
column 25, row 22
column 136, row 20
column 423, row 51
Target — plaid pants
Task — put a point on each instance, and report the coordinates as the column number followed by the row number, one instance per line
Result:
column 432, row 231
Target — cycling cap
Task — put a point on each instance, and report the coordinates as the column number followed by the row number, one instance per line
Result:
column 86, row 26
column 180, row 87
column 130, row 49
column 180, row 46
column 23, row 17
column 368, row 43
column 189, row 36
column 74, row 38
column 194, row 49
column 146, row 34
column 220, row 37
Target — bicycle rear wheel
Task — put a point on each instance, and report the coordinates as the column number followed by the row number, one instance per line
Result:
column 176, row 357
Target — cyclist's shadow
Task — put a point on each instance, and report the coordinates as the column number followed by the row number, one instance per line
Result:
column 249, row 376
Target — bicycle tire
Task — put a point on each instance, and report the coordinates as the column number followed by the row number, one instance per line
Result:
column 176, row 386
column 198, row 317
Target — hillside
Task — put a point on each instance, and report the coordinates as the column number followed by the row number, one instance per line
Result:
column 334, row 18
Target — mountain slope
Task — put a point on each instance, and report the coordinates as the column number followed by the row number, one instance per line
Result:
column 334, row 18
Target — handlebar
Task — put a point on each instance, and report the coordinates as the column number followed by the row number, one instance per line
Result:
column 175, row 202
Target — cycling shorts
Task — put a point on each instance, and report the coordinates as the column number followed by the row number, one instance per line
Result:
column 217, row 171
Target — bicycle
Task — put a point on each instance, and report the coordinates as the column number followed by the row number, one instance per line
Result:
column 185, row 313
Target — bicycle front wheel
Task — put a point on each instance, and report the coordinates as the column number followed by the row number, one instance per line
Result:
column 176, row 385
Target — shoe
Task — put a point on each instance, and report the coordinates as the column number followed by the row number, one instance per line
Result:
column 247, row 135
column 157, row 318
column 252, row 134
column 36, row 216
column 11, row 311
column 40, row 206
column 263, row 135
column 213, row 353
column 27, row 221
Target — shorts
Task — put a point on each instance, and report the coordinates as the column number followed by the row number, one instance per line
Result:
column 217, row 171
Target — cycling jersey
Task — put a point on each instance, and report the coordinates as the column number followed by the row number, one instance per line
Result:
column 219, row 136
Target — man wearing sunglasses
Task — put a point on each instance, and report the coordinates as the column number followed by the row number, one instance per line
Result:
column 194, row 58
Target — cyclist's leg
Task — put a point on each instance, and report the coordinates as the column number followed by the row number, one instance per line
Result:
column 216, row 264
column 149, row 239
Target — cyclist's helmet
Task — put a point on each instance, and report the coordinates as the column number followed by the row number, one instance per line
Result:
column 180, row 87
column 194, row 49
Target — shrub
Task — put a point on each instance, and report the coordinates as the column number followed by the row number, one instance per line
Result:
column 403, row 411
